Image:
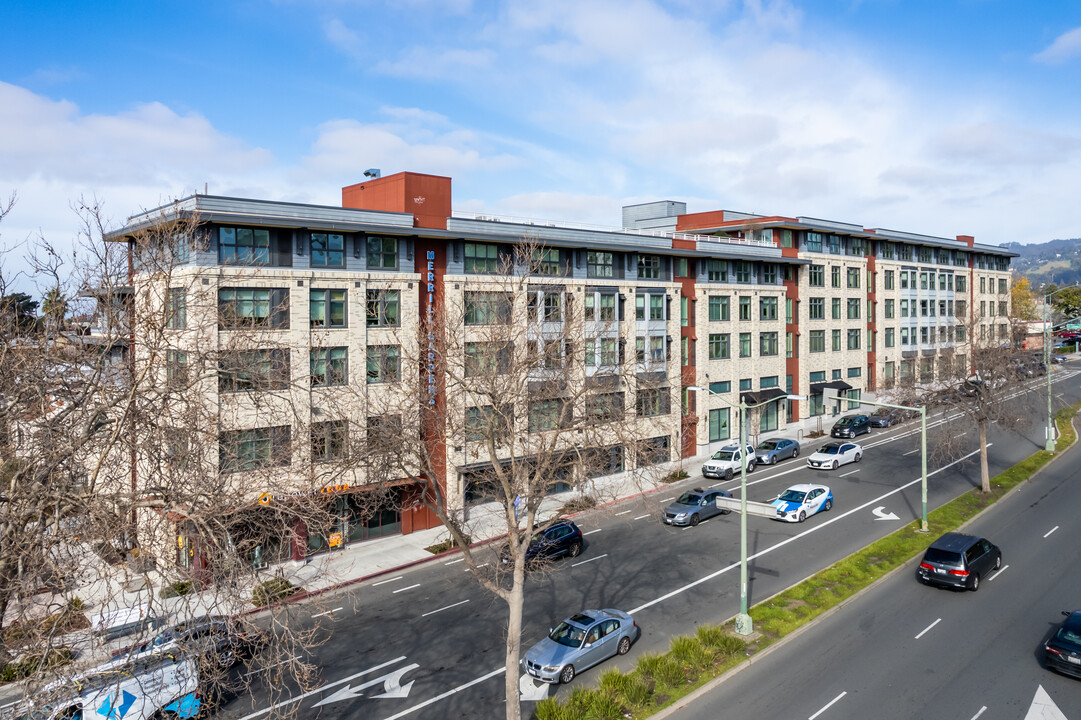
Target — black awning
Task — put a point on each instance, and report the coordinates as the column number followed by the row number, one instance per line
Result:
column 762, row 396
column 817, row 388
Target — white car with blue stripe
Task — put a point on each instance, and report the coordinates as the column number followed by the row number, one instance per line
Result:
column 799, row 502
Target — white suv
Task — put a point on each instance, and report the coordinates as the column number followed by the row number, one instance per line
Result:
column 726, row 462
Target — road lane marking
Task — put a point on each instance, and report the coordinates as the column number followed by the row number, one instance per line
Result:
column 448, row 607
column 328, row 612
column 593, row 531
column 912, row 451
column 384, row 582
column 321, row 688
column 406, row 588
column 665, row 500
column 960, row 436
column 625, row 512
column 589, row 560
column 794, row 538
column 828, row 705
column 1051, row 531
column 849, row 473
column 641, row 516
column 1001, row 570
column 924, row 631
column 479, row 566
column 447, row 694
column 250, row 672
column 981, row 712
column 455, row 562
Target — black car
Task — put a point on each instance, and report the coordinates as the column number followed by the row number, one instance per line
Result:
column 210, row 638
column 885, row 417
column 959, row 561
column 850, row 426
column 559, row 539
column 1062, row 652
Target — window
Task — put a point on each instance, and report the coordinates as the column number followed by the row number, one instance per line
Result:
column 718, row 308
column 889, row 309
column 789, row 311
column 651, row 402
column 835, row 340
column 853, row 339
column 904, row 280
column 835, row 374
column 176, row 369
column 656, row 348
column 684, row 310
column 983, row 284
column 328, row 250
column 546, row 414
column 960, row 333
column 243, row 246
column 487, row 358
column 853, row 277
column 889, row 337
column 818, row 341
column 744, row 344
column 656, row 307
column 767, row 308
column 767, row 344
column 240, row 308
column 941, row 307
column 605, row 312
column 384, row 364
column 904, row 308
column 743, row 271
column 959, row 283
column 681, row 267
column 718, row 346
column 649, row 267
column 855, row 372
column 814, row 242
column 481, row 259
column 382, row 252
column 547, row 261
column 329, row 366
column 176, row 307
column 746, row 384
column 605, row 407
column 718, row 425
column 486, row 421
column 383, row 308
column 853, row 309
column 835, row 244
column 1002, row 308
column 254, row 370
column 1002, row 288
column 817, row 308
column 602, row 351
column 925, row 335
column 383, row 432
column 887, row 280
column 789, row 345
column 904, row 336
column 330, row 441
column 769, row 274
column 600, row 264
column 327, row 308
column 816, row 276
column 744, row 308
column 835, row 277
column 717, row 271
column 245, row 450
column 769, row 382
column 835, row 308
column 817, row 377
column 483, row 308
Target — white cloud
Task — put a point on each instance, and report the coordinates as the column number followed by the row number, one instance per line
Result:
column 1066, row 46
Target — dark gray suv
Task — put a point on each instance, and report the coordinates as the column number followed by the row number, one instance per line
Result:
column 850, row 426
column 958, row 560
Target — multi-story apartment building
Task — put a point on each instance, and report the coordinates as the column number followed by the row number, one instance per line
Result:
column 330, row 302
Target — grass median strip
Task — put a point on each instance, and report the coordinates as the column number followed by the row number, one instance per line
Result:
column 659, row 680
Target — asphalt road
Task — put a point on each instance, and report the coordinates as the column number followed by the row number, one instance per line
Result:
column 904, row 650
column 430, row 640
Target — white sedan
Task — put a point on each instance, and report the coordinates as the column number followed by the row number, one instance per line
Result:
column 832, row 455
column 799, row 502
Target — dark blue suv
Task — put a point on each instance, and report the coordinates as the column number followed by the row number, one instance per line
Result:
column 559, row 539
column 850, row 426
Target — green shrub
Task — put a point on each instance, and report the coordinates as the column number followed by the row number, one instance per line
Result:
column 628, row 688
column 675, row 476
column 53, row 658
column 273, row 590
column 76, row 604
column 649, row 664
column 690, row 652
column 448, row 544
column 177, row 589
column 604, row 707
column 670, row 673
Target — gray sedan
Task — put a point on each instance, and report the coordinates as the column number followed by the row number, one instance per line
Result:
column 770, row 452
column 580, row 642
column 694, row 506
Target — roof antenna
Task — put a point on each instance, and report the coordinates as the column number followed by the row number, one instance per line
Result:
column 205, row 189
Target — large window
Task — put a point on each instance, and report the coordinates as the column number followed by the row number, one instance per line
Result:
column 814, row 242
column 743, row 271
column 651, row 402
column 744, row 345
column 605, row 310
column 486, row 421
column 835, row 308
column 835, row 340
column 835, row 276
column 718, row 425
column 487, row 308
column 548, row 261
column 600, row 264
column 176, row 369
column 176, row 305
column 328, row 250
column 481, row 259
column 889, row 337
column 718, row 308
column 649, row 267
column 243, row 246
column 545, row 307
column 605, row 407
column 853, row 277
column 245, row 450
column 382, row 252
column 487, row 358
column 817, row 308
column 330, row 441
column 768, row 308
column 744, row 308
column 853, row 339
column 656, row 307
column 818, row 341
column 816, row 276
column 718, row 346
column 853, row 309
column 384, row 308
column 889, row 309
column 254, row 370
column 384, row 364
column 546, row 414
column 327, row 308
column 887, row 280
column 767, row 344
column 717, row 271
column 240, row 308
column 601, row 352
column 329, row 366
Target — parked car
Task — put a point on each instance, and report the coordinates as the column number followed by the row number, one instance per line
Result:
column 850, row 426
column 1058, row 359
column 799, row 502
column 694, row 506
column 726, row 462
column 578, row 643
column 211, row 638
column 832, row 455
column 559, row 539
column 1062, row 652
column 885, row 417
column 770, row 452
column 958, row 560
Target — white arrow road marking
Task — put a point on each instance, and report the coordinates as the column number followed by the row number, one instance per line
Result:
column 881, row 514
column 1043, row 707
column 392, row 685
column 532, row 691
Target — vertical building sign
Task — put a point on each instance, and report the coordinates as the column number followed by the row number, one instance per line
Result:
column 429, row 316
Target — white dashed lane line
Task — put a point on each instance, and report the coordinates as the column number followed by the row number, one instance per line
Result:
column 384, row 582
column 924, row 631
column 328, row 612
column 849, row 473
column 448, row 607
column 1051, row 531
column 478, row 566
column 583, row 562
column 625, row 512
column 593, row 531
column 828, row 705
column 981, row 712
column 406, row 588
column 455, row 562
column 1001, row 570
column 641, row 516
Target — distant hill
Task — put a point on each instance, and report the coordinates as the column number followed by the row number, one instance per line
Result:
column 1057, row 261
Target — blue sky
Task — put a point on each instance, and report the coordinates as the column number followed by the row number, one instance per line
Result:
column 948, row 117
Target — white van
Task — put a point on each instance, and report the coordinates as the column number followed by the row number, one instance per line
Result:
column 160, row 684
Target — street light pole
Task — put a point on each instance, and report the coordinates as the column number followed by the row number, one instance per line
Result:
column 1049, row 446
column 744, row 624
